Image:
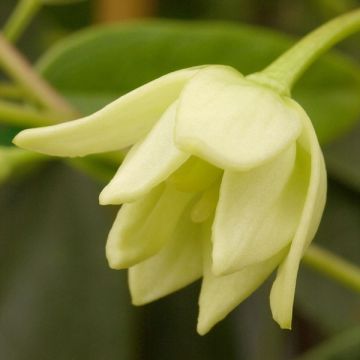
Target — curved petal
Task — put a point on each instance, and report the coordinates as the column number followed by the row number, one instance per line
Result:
column 221, row 294
column 231, row 122
column 244, row 231
column 283, row 289
column 141, row 228
column 176, row 265
column 147, row 164
column 117, row 125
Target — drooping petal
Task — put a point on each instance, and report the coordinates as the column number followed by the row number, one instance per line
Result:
column 283, row 290
column 221, row 294
column 147, row 164
column 232, row 122
column 248, row 225
column 141, row 228
column 116, row 126
column 176, row 265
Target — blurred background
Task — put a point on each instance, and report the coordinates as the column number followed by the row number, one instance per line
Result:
column 59, row 299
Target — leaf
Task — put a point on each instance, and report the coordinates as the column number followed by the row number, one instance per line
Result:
column 343, row 159
column 124, row 57
column 58, row 299
column 324, row 301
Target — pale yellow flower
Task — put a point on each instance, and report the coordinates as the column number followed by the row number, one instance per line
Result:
column 225, row 180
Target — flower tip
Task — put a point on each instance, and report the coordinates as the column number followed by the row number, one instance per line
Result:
column 114, row 263
column 22, row 139
column 202, row 327
column 280, row 313
column 284, row 324
column 111, row 195
column 105, row 198
column 114, row 258
column 137, row 301
column 45, row 140
column 108, row 197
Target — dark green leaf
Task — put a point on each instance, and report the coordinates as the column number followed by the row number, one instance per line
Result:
column 333, row 307
column 96, row 66
column 58, row 298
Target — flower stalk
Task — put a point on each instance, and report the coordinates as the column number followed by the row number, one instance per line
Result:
column 333, row 266
column 18, row 115
column 10, row 91
column 20, row 18
column 282, row 73
column 36, row 88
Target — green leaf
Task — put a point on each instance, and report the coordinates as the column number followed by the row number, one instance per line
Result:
column 343, row 159
column 58, row 299
column 333, row 307
column 98, row 65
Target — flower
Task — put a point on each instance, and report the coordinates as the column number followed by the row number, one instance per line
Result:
column 225, row 180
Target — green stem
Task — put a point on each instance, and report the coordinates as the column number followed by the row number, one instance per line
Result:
column 286, row 70
column 333, row 266
column 11, row 113
column 10, row 91
column 33, row 85
column 20, row 18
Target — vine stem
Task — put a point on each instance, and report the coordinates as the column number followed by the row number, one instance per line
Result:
column 10, row 91
column 20, row 18
column 16, row 66
column 282, row 74
column 14, row 114
column 333, row 266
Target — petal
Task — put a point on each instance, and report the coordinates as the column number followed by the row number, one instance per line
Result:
column 141, row 228
column 206, row 205
column 147, row 164
column 283, row 290
column 176, row 265
column 249, row 203
column 195, row 175
column 117, row 125
column 221, row 294
column 232, row 122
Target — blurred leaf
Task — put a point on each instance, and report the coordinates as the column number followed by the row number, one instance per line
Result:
column 98, row 65
column 60, row 2
column 343, row 159
column 58, row 299
column 259, row 337
column 345, row 345
column 169, row 331
column 333, row 307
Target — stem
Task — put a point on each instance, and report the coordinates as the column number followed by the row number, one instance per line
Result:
column 333, row 266
column 34, row 86
column 11, row 113
column 20, row 18
column 286, row 70
column 10, row 91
